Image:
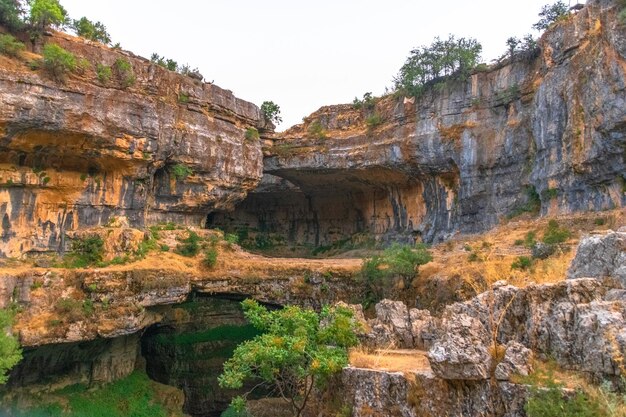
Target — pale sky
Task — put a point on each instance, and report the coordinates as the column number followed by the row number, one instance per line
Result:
column 303, row 55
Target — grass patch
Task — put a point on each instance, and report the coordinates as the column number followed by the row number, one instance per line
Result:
column 554, row 234
column 10, row 46
column 180, row 171
column 136, row 396
column 210, row 257
column 85, row 252
column 189, row 246
column 252, row 134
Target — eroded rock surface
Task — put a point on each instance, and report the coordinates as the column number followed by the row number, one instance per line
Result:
column 601, row 256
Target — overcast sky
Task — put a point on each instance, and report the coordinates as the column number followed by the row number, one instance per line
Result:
column 303, row 55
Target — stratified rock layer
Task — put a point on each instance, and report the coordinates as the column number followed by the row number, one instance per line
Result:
column 76, row 154
column 550, row 126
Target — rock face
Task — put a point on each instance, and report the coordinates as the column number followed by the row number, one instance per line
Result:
column 601, row 256
column 77, row 154
column 457, row 160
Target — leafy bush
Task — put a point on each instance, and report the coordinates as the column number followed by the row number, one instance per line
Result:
column 57, row 61
column 183, row 98
column 231, row 238
column 298, row 350
column 252, row 134
column 374, row 120
column 104, row 73
column 124, row 72
column 10, row 352
column 397, row 261
column 190, row 246
column 523, row 263
column 210, row 257
column 368, row 102
column 550, row 193
column 87, row 29
column 271, row 112
column 85, row 252
column 555, row 234
column 180, row 171
column 316, row 130
column 10, row 46
column 164, row 248
column 551, row 13
column 449, row 59
column 11, row 14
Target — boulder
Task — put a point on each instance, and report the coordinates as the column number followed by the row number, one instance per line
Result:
column 601, row 256
column 517, row 361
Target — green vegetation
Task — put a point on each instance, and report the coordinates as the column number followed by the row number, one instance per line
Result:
column 532, row 205
column 104, row 73
column 374, row 120
column 45, row 13
column 508, row 95
column 551, row 13
column 252, row 134
column 11, row 12
column 57, row 61
column 189, row 246
column 271, row 112
column 180, row 171
column 136, row 396
column 10, row 352
column 85, row 252
column 10, row 46
column 522, row 263
column 183, row 98
column 316, row 130
column 210, row 257
column 164, row 248
column 298, row 350
column 368, row 102
column 397, row 261
column 124, row 72
column 549, row 398
column 554, row 234
column 87, row 29
column 550, row 193
column 442, row 61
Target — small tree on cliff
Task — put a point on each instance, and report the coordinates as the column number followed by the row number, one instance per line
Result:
column 297, row 350
column 551, row 13
column 271, row 111
column 11, row 12
column 87, row 29
column 10, row 352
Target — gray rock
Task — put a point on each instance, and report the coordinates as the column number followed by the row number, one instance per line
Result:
column 601, row 256
column 517, row 361
column 461, row 349
column 392, row 326
column 542, row 250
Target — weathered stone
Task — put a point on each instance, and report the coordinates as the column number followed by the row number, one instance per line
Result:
column 460, row 350
column 392, row 326
column 542, row 250
column 517, row 361
column 601, row 256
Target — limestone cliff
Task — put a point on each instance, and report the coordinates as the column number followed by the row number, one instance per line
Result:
column 550, row 125
column 74, row 154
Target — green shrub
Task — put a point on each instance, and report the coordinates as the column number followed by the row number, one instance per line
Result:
column 87, row 29
column 550, row 14
column 599, row 221
column 401, row 261
column 104, row 73
column 180, row 171
column 519, row 242
column 231, row 238
column 164, row 248
column 442, row 60
column 522, row 263
column 555, row 234
column 530, row 239
column 145, row 247
column 190, row 246
column 252, row 134
column 85, row 252
column 271, row 112
column 11, row 15
column 124, row 72
column 316, row 130
column 550, row 193
column 10, row 352
column 368, row 102
column 210, row 257
column 183, row 98
column 374, row 120
column 57, row 61
column 10, row 46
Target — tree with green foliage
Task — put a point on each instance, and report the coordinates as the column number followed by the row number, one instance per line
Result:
column 271, row 112
column 442, row 60
column 57, row 61
column 11, row 14
column 87, row 29
column 397, row 261
column 46, row 13
column 297, row 350
column 551, row 13
column 10, row 352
